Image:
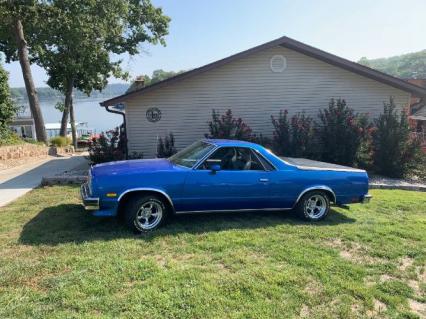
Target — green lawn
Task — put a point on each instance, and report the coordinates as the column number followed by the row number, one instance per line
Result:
column 56, row 261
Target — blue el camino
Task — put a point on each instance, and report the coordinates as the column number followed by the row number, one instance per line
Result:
column 216, row 176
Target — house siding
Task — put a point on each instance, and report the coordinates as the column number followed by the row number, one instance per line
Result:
column 254, row 93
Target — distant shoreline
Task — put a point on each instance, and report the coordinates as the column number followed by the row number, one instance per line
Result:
column 48, row 94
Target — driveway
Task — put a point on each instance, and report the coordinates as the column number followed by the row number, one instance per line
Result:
column 17, row 181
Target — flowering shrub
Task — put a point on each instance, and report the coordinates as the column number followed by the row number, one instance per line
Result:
column 396, row 153
column 227, row 127
column 294, row 137
column 166, row 147
column 302, row 136
column 340, row 133
column 281, row 134
column 108, row 146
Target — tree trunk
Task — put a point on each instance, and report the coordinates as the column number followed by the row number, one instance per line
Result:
column 68, row 102
column 29, row 83
column 73, row 130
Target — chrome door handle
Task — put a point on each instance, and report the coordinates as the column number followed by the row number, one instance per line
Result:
column 264, row 180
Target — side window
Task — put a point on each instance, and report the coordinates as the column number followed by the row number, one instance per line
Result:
column 268, row 166
column 234, row 159
column 222, row 156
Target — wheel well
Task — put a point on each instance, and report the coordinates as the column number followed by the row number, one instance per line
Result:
column 126, row 197
column 331, row 196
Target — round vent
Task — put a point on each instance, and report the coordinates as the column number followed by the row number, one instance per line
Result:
column 278, row 63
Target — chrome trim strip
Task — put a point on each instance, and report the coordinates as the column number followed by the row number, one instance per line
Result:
column 149, row 190
column 231, row 210
column 319, row 187
column 312, row 168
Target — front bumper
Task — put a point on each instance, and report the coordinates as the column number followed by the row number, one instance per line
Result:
column 89, row 203
column 366, row 199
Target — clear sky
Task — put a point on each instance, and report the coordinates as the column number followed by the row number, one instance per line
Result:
column 203, row 31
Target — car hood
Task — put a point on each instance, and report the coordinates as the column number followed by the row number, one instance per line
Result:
column 132, row 166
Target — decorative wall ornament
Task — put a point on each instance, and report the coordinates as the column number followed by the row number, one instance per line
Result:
column 153, row 114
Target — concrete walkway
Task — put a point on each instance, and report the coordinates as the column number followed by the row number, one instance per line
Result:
column 17, row 181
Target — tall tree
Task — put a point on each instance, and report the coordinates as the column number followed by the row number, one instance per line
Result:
column 15, row 16
column 7, row 107
column 84, row 38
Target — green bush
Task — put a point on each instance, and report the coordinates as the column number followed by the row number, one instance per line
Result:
column 166, row 147
column 60, row 141
column 341, row 133
column 10, row 138
column 396, row 153
column 8, row 110
column 228, row 127
column 302, row 143
column 294, row 137
column 108, row 146
column 281, row 134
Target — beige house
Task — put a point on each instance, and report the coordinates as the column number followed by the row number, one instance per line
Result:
column 255, row 84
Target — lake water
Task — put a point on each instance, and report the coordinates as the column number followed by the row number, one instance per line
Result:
column 86, row 110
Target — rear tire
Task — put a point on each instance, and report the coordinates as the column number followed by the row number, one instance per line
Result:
column 145, row 213
column 313, row 206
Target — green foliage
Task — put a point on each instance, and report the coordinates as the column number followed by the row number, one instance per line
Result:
column 227, row 127
column 294, row 137
column 395, row 153
column 108, row 146
column 60, row 141
column 60, row 106
column 30, row 14
column 157, row 76
column 80, row 38
column 411, row 65
column 302, row 142
column 340, row 133
column 8, row 109
column 281, row 134
column 160, row 75
column 10, row 139
column 166, row 147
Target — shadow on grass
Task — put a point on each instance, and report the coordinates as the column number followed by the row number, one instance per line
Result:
column 69, row 223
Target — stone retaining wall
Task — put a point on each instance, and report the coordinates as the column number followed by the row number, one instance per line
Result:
column 22, row 151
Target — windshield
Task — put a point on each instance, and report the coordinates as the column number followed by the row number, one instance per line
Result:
column 191, row 154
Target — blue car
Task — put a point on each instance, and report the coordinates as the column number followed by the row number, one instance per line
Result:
column 216, row 176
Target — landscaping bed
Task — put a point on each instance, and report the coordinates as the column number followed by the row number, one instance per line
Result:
column 58, row 261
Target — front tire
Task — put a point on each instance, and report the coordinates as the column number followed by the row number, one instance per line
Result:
column 145, row 213
column 313, row 206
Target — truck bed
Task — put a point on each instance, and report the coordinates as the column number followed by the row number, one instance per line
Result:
column 307, row 164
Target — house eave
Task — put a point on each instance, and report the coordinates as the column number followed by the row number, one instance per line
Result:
column 290, row 44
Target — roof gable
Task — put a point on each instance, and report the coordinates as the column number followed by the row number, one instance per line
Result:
column 290, row 44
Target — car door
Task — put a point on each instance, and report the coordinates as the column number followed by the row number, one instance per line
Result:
column 241, row 183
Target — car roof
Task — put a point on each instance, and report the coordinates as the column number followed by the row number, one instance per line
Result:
column 224, row 142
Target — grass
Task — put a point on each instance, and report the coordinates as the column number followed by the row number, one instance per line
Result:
column 56, row 261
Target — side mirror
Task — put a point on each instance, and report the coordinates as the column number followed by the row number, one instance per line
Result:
column 215, row 168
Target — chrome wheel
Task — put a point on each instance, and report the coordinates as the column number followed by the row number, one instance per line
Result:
column 315, row 206
column 149, row 215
